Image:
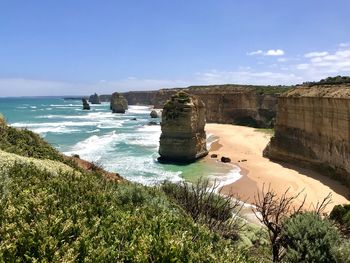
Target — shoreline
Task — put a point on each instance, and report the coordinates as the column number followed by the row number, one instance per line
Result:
column 247, row 144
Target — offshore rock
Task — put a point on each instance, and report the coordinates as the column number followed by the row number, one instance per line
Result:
column 118, row 103
column 183, row 138
column 154, row 114
column 86, row 105
column 313, row 129
column 94, row 99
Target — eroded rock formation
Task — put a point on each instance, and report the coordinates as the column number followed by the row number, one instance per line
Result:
column 232, row 104
column 313, row 129
column 154, row 114
column 183, row 137
column 94, row 99
column 118, row 103
column 86, row 105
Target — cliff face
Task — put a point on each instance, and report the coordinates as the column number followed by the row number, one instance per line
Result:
column 183, row 137
column 313, row 128
column 232, row 104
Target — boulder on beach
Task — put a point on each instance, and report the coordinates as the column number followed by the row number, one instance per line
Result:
column 183, row 138
column 225, row 159
column 154, row 114
column 214, row 155
column 94, row 99
column 86, row 105
column 118, row 103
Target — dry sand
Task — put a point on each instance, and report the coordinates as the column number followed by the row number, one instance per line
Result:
column 244, row 143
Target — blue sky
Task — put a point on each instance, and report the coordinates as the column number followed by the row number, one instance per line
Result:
column 79, row 47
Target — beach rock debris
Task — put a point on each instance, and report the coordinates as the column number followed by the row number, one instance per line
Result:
column 183, row 138
column 225, row 159
column 214, row 155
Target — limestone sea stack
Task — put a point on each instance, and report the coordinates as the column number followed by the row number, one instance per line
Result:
column 94, row 99
column 86, row 105
column 183, row 138
column 118, row 103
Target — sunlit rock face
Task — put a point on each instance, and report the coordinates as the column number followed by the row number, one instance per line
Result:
column 118, row 103
column 183, row 138
column 313, row 129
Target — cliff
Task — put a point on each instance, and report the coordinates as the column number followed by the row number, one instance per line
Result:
column 183, row 137
column 232, row 104
column 313, row 128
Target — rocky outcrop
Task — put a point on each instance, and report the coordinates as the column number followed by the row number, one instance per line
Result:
column 94, row 99
column 231, row 104
column 183, row 137
column 154, row 114
column 118, row 103
column 313, row 129
column 86, row 105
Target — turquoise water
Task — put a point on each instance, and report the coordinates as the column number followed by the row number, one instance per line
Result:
column 115, row 141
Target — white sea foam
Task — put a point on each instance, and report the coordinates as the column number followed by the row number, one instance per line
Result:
column 94, row 147
column 226, row 179
column 139, row 109
column 54, row 124
column 60, row 129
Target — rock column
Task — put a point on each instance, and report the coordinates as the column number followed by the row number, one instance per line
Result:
column 183, row 138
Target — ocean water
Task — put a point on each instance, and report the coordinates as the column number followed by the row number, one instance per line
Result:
column 115, row 141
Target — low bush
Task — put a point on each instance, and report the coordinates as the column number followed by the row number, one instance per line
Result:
column 205, row 206
column 341, row 215
column 309, row 238
column 72, row 217
column 26, row 143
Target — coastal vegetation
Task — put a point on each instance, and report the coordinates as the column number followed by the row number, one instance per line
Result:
column 330, row 81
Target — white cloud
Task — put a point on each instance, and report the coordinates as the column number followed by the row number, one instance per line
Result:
column 257, row 52
column 344, row 45
column 274, row 52
column 327, row 63
column 316, row 54
column 270, row 52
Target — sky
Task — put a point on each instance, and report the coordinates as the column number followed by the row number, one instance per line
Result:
column 77, row 47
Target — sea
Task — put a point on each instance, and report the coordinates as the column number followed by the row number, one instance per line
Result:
column 123, row 143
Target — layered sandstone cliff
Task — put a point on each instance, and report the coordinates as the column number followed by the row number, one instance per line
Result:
column 118, row 103
column 183, row 137
column 231, row 104
column 313, row 128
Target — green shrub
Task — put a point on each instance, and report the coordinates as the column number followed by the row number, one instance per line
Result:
column 341, row 214
column 309, row 238
column 342, row 252
column 205, row 206
column 72, row 217
column 27, row 143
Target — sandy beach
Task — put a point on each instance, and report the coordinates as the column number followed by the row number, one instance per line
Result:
column 244, row 143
